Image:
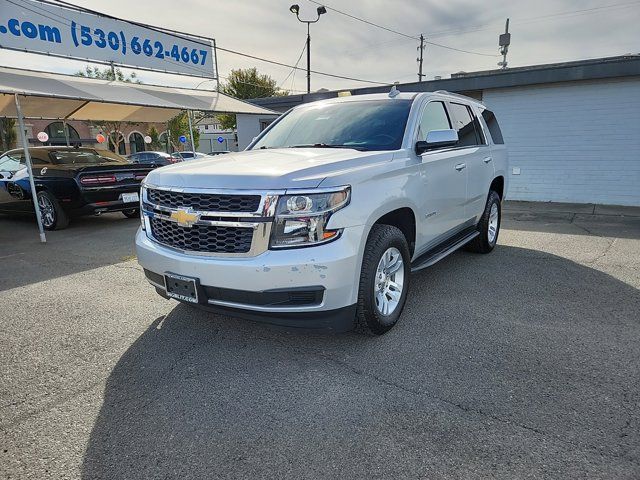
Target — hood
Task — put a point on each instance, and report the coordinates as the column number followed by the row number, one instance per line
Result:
column 272, row 169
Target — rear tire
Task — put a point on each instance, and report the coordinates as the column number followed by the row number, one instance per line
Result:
column 131, row 213
column 52, row 214
column 488, row 226
column 384, row 280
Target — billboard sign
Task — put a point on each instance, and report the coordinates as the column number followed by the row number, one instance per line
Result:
column 37, row 27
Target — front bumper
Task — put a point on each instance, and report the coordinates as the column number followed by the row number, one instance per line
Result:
column 244, row 286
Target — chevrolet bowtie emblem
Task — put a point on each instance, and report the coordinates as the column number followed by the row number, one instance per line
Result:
column 185, row 218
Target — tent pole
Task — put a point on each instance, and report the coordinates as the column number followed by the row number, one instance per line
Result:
column 193, row 141
column 27, row 158
column 66, row 131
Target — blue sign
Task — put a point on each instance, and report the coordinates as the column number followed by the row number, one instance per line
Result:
column 220, row 139
column 183, row 139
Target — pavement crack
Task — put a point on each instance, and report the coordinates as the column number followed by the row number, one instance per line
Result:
column 470, row 410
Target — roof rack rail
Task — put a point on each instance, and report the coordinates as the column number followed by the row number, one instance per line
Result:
column 465, row 97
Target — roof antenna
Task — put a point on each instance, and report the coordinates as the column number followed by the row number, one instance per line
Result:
column 394, row 91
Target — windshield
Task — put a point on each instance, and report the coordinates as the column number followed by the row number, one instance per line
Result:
column 90, row 157
column 362, row 125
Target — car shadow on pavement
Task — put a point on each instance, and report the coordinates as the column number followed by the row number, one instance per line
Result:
column 515, row 364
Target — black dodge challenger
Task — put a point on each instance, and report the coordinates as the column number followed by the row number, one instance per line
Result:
column 70, row 181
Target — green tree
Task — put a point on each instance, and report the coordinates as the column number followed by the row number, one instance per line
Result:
column 7, row 134
column 155, row 144
column 112, row 130
column 179, row 125
column 245, row 84
column 108, row 74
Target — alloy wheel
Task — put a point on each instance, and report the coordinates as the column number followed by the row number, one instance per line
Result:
column 389, row 281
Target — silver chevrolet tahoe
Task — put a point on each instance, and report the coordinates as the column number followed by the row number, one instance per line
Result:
column 324, row 217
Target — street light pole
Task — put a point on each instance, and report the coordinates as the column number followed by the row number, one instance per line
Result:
column 320, row 11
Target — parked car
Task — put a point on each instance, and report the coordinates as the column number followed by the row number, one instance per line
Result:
column 158, row 159
column 70, row 182
column 219, row 152
column 321, row 221
column 188, row 155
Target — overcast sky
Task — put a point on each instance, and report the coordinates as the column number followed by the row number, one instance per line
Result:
column 542, row 32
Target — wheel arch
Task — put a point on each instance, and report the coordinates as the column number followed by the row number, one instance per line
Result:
column 404, row 219
column 497, row 185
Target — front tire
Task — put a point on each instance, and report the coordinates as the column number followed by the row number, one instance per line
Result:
column 131, row 213
column 384, row 280
column 488, row 226
column 53, row 217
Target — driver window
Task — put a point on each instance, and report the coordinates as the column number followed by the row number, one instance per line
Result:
column 12, row 162
column 434, row 117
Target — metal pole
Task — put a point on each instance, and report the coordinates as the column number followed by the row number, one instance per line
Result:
column 27, row 157
column 66, row 132
column 506, row 47
column 308, row 59
column 420, row 75
column 215, row 65
column 193, row 141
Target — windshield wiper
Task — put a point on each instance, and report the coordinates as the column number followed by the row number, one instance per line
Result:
column 324, row 145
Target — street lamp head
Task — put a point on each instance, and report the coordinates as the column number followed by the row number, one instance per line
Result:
column 321, row 10
column 294, row 9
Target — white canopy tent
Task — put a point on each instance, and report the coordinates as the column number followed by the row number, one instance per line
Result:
column 32, row 94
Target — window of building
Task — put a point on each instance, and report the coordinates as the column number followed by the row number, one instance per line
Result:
column 119, row 139
column 56, row 134
column 164, row 141
column 136, row 142
column 434, row 117
column 265, row 123
column 494, row 129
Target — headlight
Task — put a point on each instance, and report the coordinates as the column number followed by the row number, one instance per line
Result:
column 301, row 218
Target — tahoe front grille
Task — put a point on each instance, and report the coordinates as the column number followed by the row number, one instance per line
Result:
column 202, row 238
column 206, row 202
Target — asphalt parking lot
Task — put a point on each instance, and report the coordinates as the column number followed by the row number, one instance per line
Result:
column 520, row 364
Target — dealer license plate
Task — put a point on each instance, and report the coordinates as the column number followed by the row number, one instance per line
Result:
column 130, row 197
column 181, row 288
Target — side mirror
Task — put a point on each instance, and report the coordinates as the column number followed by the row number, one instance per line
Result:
column 437, row 139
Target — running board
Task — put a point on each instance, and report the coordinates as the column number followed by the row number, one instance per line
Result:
column 438, row 253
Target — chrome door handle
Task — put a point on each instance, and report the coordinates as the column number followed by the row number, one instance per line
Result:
column 461, row 166
column 487, row 159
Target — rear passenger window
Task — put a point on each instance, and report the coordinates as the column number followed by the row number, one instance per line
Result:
column 434, row 117
column 492, row 122
column 469, row 132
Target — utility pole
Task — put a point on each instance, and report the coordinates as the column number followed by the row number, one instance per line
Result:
column 504, row 41
column 421, row 50
column 113, row 70
column 309, row 59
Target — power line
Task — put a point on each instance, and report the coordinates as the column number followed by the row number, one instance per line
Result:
column 528, row 20
column 194, row 38
column 365, row 21
column 304, row 47
column 413, row 37
column 300, row 68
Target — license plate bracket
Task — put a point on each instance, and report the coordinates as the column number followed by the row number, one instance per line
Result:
column 181, row 288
